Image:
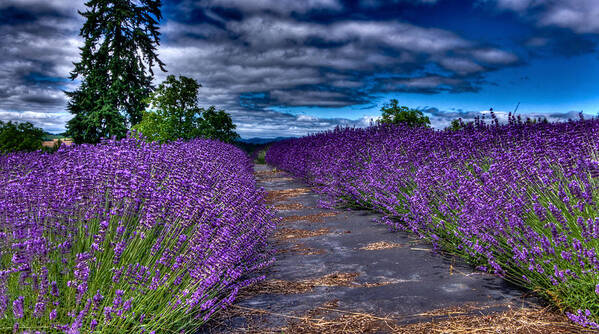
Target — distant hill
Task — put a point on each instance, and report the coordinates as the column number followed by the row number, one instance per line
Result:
column 51, row 136
column 262, row 141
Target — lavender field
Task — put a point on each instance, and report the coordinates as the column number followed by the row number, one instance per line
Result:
column 127, row 236
column 518, row 200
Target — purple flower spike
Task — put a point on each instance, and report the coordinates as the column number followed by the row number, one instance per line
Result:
column 75, row 224
column 17, row 307
column 518, row 199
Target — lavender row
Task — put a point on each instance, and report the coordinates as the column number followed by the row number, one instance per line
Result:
column 518, row 200
column 127, row 236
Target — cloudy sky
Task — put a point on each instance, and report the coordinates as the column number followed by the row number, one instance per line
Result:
column 289, row 67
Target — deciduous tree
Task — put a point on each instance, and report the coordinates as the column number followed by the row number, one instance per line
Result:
column 217, row 124
column 174, row 114
column 392, row 113
column 20, row 137
column 173, row 110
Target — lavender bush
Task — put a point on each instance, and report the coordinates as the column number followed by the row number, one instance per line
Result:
column 518, row 200
column 127, row 236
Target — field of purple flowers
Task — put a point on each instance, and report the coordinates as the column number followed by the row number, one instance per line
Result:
column 127, row 236
column 518, row 200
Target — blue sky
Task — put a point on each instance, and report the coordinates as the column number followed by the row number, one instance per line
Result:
column 287, row 67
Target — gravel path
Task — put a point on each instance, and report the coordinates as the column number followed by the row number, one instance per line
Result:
column 340, row 264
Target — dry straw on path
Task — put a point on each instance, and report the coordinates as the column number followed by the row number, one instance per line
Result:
column 285, row 194
column 328, row 319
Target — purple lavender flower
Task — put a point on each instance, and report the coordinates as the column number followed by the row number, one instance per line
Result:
column 17, row 307
column 518, row 198
column 100, row 200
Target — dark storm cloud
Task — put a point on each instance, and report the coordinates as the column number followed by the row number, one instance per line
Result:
column 308, row 63
column 39, row 44
column 254, row 55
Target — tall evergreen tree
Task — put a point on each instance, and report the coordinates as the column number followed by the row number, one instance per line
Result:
column 121, row 38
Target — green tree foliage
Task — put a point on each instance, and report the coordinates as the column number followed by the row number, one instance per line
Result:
column 174, row 114
column 20, row 137
column 217, row 125
column 538, row 120
column 121, row 37
column 394, row 114
column 152, row 127
column 458, row 124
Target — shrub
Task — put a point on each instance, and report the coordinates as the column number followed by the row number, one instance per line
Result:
column 174, row 114
column 519, row 200
column 16, row 137
column 393, row 113
column 127, row 236
column 261, row 154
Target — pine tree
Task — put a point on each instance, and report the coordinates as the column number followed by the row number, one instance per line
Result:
column 121, row 38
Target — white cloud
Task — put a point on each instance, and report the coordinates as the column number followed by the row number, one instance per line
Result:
column 580, row 16
column 577, row 15
column 271, row 124
column 49, row 121
column 424, row 82
column 462, row 66
column 495, row 56
column 399, row 35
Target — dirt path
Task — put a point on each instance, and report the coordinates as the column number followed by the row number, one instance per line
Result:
column 338, row 272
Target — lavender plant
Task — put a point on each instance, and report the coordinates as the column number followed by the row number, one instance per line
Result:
column 127, row 236
column 518, row 200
